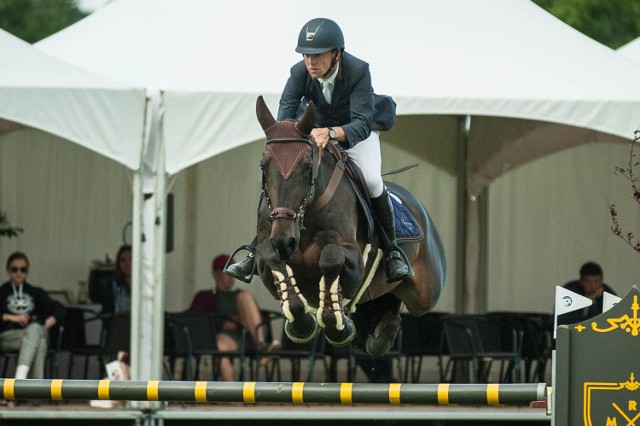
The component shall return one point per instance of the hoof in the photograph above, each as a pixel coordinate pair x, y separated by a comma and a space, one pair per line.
302, 337
384, 336
377, 347
345, 336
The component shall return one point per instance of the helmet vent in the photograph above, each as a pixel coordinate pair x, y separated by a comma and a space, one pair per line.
312, 34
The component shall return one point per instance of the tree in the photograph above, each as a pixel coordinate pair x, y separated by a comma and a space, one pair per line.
6, 230
33, 20
611, 22
631, 174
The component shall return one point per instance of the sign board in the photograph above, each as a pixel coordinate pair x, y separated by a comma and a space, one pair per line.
597, 375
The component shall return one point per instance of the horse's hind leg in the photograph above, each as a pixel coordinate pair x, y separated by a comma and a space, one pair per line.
341, 269
378, 323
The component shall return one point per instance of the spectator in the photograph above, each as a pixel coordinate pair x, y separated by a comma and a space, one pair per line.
239, 307
116, 298
591, 284
28, 313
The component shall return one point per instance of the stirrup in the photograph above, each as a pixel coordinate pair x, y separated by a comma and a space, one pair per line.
243, 278
397, 253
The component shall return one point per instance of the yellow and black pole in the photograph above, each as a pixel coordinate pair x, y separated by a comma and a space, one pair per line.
276, 392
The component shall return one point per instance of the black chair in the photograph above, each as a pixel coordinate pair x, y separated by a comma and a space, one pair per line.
54, 349
355, 357
270, 359
117, 336
177, 346
78, 343
473, 343
270, 321
201, 330
422, 337
537, 332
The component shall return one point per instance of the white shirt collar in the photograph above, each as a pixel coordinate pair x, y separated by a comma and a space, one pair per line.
332, 78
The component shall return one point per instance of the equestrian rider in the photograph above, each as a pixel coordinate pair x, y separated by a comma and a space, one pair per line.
339, 85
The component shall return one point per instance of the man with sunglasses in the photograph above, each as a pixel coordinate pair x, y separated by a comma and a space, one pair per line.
27, 314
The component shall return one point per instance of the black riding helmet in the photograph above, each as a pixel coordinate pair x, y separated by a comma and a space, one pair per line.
319, 35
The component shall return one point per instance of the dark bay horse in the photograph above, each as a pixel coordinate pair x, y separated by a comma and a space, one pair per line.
314, 250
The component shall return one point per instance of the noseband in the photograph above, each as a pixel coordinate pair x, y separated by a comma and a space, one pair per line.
287, 153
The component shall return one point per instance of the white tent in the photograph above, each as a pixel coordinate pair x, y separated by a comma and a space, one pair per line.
40, 91
499, 58
517, 72
631, 50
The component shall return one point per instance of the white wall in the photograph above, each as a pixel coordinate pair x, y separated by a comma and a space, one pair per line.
550, 216
71, 202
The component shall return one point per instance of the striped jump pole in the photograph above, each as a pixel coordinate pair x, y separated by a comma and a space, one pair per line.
276, 392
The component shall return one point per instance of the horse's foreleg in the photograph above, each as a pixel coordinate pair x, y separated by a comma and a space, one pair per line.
300, 324
341, 268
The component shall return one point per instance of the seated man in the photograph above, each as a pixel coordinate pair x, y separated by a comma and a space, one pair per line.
239, 306
591, 284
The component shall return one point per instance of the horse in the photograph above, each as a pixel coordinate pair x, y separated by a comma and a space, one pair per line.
317, 254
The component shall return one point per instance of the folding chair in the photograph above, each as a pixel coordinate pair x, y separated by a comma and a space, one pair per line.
422, 337
270, 360
202, 330
475, 341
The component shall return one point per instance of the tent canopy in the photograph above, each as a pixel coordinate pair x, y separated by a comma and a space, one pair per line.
44, 92
631, 49
500, 59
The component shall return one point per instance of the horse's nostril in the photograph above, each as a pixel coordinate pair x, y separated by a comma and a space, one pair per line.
284, 247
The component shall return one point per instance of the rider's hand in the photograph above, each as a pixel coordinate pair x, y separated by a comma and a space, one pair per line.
320, 136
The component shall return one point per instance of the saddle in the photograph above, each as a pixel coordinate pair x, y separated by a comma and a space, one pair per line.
407, 228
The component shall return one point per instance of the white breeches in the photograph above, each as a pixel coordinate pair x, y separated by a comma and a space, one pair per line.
366, 155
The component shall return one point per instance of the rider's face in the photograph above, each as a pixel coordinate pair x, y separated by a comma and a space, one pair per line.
318, 65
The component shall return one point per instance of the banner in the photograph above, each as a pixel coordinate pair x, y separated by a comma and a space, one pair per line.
568, 301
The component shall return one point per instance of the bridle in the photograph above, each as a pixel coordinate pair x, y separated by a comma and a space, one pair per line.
297, 215
294, 156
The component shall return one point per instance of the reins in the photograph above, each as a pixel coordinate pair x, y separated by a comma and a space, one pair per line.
334, 180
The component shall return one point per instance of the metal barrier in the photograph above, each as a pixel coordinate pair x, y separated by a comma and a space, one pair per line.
274, 392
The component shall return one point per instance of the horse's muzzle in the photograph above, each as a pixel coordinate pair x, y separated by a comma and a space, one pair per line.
285, 247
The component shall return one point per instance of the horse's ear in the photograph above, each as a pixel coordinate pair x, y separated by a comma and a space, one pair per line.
308, 120
265, 118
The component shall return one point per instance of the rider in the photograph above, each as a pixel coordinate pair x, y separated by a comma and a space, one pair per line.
348, 111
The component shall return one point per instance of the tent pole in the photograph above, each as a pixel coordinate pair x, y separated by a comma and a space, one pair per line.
137, 248
461, 293
157, 337
474, 251
136, 271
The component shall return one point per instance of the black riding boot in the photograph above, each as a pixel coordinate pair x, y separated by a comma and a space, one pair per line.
242, 270
396, 265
